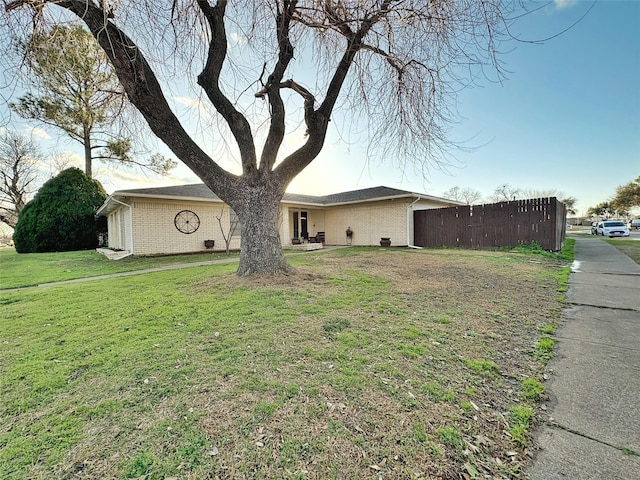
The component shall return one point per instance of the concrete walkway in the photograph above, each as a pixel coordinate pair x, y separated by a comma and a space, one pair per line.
162, 268
592, 428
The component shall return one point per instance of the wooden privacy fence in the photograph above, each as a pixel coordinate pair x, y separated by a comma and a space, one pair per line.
504, 224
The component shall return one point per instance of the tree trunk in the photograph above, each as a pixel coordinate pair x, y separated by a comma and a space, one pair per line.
261, 250
87, 153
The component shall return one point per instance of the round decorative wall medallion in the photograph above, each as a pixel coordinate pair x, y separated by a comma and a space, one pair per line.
186, 221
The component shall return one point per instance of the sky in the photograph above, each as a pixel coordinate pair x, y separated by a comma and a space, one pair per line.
566, 118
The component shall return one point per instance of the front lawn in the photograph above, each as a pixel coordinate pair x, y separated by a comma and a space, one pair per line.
378, 363
28, 269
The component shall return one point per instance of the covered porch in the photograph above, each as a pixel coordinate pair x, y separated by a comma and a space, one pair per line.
303, 226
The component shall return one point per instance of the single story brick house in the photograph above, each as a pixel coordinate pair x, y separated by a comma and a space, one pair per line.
179, 219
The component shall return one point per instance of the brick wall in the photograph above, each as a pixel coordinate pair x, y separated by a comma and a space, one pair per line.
155, 231
369, 222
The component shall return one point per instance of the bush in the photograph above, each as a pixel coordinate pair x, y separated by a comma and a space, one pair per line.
61, 216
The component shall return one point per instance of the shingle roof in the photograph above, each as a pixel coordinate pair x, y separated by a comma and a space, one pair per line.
195, 190
202, 192
367, 194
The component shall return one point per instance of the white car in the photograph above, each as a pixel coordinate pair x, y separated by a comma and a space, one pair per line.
612, 228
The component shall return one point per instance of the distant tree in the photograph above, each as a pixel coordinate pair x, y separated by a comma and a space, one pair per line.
471, 196
453, 194
622, 212
466, 195
19, 158
601, 210
570, 203
627, 196
58, 162
61, 215
505, 193
79, 93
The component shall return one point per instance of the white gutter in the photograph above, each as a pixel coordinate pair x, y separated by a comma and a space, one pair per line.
130, 224
409, 220
417, 196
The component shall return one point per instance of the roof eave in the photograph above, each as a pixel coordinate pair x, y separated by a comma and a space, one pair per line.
125, 193
121, 195
105, 206
417, 196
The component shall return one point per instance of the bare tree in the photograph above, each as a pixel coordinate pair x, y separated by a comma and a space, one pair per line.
540, 193
505, 193
395, 65
19, 158
471, 196
467, 195
233, 225
59, 162
569, 201
454, 193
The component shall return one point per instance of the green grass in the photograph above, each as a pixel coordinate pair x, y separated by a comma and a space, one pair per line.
568, 249
484, 367
548, 329
532, 389
445, 320
566, 253
544, 348
27, 269
195, 373
451, 436
520, 417
629, 451
631, 248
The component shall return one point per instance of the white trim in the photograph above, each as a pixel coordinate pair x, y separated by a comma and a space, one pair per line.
130, 224
394, 197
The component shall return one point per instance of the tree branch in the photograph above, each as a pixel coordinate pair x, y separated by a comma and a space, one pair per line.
272, 88
353, 46
142, 87
318, 120
209, 80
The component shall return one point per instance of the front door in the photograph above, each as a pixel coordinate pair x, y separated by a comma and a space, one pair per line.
300, 225
303, 225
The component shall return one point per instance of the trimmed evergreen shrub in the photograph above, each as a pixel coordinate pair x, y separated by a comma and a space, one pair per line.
61, 216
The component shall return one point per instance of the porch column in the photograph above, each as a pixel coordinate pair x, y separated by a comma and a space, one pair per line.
285, 231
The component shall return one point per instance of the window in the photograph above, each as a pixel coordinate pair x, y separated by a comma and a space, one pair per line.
234, 223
